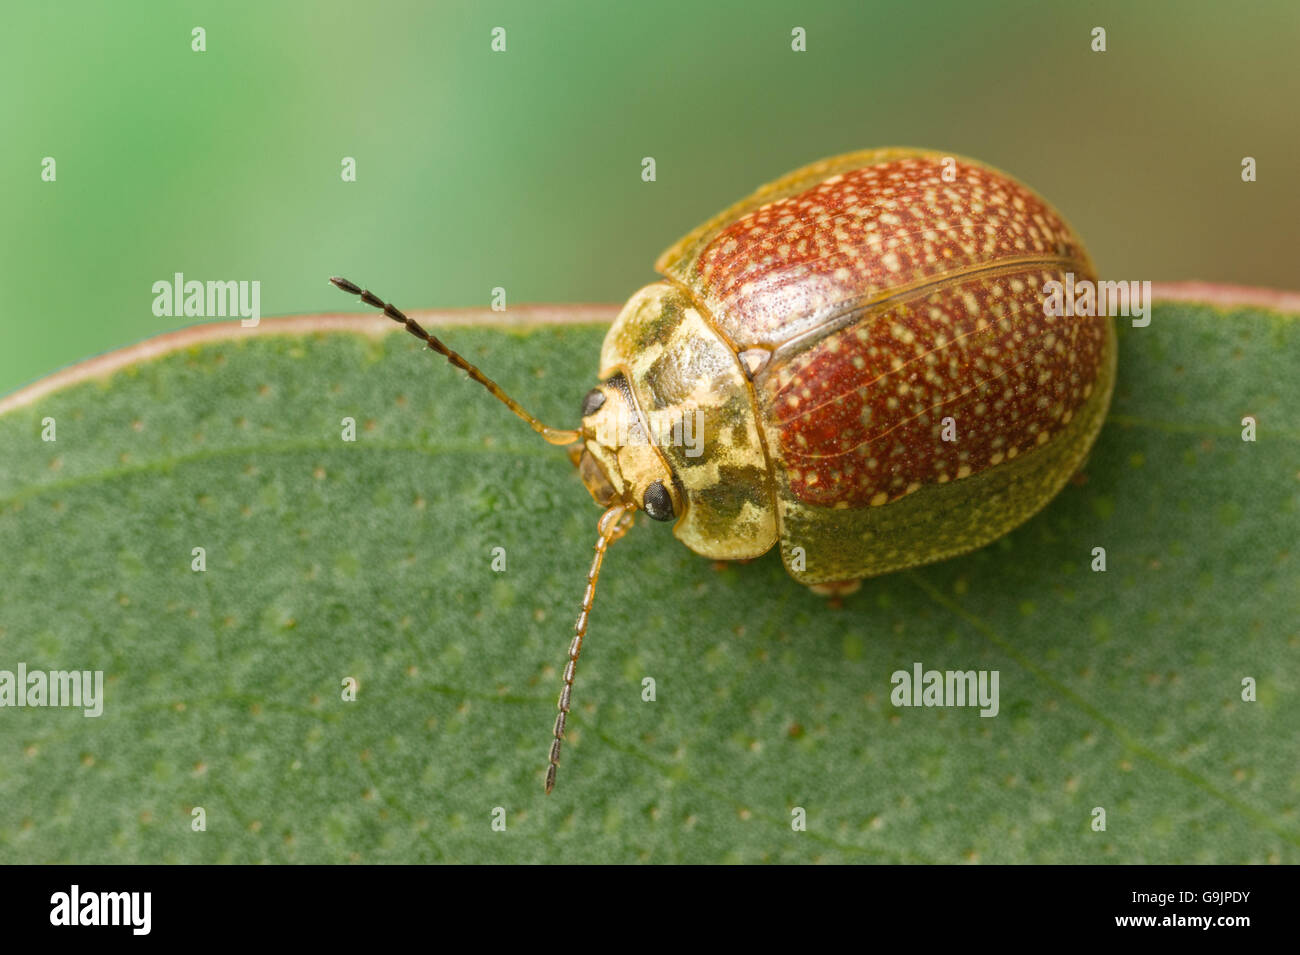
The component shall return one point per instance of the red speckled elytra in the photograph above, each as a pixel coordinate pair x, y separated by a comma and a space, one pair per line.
864, 348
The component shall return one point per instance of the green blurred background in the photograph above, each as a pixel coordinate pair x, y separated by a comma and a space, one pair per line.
522, 169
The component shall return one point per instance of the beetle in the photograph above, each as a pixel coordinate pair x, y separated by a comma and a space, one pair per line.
865, 348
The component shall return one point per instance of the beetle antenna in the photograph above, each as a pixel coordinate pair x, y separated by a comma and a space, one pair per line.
552, 435
613, 524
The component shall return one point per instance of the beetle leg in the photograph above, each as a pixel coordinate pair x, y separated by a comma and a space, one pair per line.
721, 565
836, 588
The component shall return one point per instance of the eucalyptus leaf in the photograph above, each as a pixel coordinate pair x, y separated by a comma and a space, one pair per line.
372, 559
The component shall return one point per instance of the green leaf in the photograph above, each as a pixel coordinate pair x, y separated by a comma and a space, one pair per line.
373, 560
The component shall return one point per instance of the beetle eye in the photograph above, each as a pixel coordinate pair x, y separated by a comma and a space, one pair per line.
591, 404
657, 502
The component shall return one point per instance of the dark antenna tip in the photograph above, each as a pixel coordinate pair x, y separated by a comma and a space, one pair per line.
549, 434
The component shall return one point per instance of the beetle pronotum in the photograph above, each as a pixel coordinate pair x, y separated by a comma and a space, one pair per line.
829, 333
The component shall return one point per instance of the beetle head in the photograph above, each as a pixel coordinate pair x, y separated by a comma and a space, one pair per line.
619, 462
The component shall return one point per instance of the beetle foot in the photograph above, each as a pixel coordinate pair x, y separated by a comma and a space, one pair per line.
721, 565
835, 589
